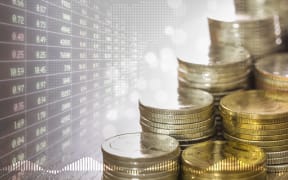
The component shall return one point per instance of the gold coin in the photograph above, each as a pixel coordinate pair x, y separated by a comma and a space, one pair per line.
176, 131
276, 161
157, 168
275, 149
220, 57
211, 74
174, 120
188, 142
140, 147
273, 67
177, 119
277, 168
175, 105
211, 77
273, 85
254, 137
252, 132
185, 134
262, 144
154, 165
277, 154
243, 83
223, 156
261, 127
254, 104
260, 84
208, 122
238, 119
188, 136
270, 81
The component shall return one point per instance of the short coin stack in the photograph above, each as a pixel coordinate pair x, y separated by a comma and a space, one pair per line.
187, 119
222, 160
260, 118
141, 156
260, 35
271, 73
219, 70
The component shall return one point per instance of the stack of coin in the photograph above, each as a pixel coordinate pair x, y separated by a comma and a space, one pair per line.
218, 69
222, 160
279, 7
141, 156
271, 73
187, 119
261, 118
259, 34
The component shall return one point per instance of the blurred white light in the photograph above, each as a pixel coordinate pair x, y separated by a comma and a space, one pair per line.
134, 96
131, 113
112, 114
155, 84
151, 59
161, 97
236, 25
174, 4
278, 41
168, 60
169, 31
109, 131
179, 37
141, 84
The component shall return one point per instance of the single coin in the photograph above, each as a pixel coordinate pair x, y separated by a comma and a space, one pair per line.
215, 88
253, 137
254, 104
216, 56
198, 116
198, 101
277, 154
253, 121
277, 168
252, 132
208, 122
262, 144
187, 136
140, 147
277, 161
177, 131
274, 66
262, 127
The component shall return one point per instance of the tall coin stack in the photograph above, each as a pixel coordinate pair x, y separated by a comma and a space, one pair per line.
222, 160
219, 70
188, 120
141, 156
271, 73
260, 35
279, 7
260, 118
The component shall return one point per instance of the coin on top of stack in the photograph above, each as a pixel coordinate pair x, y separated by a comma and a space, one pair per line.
261, 118
260, 34
188, 119
271, 73
222, 160
218, 69
141, 156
